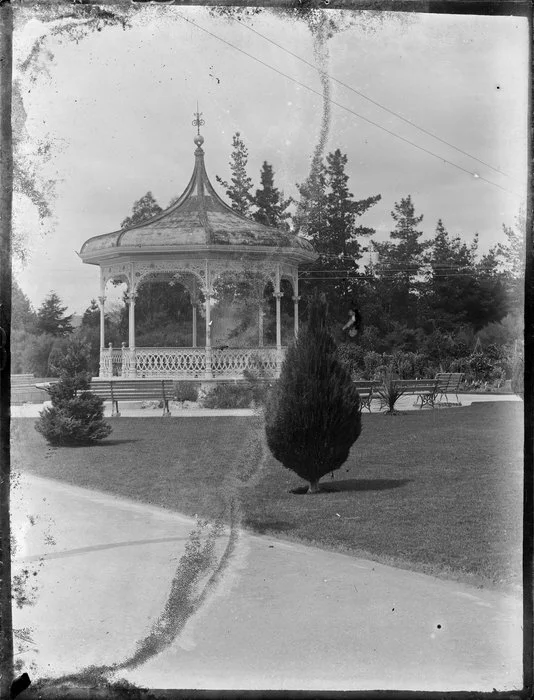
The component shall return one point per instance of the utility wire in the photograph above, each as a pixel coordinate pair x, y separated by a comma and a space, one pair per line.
360, 116
369, 99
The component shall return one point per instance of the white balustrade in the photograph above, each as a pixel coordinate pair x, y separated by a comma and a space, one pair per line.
189, 363
167, 362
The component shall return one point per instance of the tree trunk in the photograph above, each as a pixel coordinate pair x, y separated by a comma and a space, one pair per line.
314, 486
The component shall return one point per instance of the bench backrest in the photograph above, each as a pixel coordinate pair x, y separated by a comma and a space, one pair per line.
133, 388
449, 381
21, 379
416, 384
365, 386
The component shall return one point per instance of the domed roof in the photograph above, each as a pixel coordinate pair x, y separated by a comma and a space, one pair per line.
199, 220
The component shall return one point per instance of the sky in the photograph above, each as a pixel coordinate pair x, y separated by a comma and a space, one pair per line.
117, 107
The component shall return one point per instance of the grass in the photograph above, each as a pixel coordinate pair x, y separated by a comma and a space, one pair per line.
436, 491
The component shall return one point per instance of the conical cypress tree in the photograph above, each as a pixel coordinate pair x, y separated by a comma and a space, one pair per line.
76, 416
313, 416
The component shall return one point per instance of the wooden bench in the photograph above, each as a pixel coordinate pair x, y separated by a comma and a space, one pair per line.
367, 389
449, 383
116, 390
424, 389
22, 379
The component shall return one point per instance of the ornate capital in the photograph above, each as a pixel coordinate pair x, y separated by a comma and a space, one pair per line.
278, 295
101, 300
131, 297
296, 299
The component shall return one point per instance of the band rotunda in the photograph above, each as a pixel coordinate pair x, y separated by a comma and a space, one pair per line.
194, 242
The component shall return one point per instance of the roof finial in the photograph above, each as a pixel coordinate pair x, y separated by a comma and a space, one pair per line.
198, 122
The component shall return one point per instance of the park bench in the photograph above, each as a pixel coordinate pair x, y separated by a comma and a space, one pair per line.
449, 383
22, 379
367, 389
116, 390
424, 389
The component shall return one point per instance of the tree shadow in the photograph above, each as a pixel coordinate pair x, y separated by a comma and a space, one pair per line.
355, 485
112, 443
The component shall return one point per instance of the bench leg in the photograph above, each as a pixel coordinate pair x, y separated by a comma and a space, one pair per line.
115, 408
166, 411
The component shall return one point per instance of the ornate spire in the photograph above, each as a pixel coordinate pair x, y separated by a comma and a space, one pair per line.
198, 122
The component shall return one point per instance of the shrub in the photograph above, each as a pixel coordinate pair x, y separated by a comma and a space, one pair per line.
351, 356
313, 416
372, 361
259, 386
226, 395
389, 392
518, 380
76, 416
186, 391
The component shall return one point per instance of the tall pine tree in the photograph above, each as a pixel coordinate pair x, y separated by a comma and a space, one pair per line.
450, 281
51, 317
142, 210
400, 264
328, 215
270, 203
238, 191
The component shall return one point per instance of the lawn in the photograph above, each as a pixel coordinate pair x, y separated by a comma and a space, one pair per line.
437, 491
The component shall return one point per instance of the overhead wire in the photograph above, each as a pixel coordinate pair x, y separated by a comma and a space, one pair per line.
369, 99
341, 106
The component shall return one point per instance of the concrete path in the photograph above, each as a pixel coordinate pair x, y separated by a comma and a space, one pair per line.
280, 616
133, 408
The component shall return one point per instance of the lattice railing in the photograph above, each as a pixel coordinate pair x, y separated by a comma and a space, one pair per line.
170, 361
234, 361
189, 362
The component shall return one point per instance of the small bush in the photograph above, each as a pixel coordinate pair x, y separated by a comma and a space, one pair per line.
76, 416
518, 380
78, 421
229, 396
186, 391
351, 356
372, 361
259, 386
389, 392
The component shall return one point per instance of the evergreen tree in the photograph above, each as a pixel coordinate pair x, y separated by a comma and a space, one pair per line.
238, 191
76, 416
328, 215
270, 203
142, 210
512, 258
400, 264
91, 315
451, 280
23, 317
51, 317
313, 416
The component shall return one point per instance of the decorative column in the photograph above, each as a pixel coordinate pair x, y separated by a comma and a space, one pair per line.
131, 297
101, 301
260, 325
125, 360
207, 303
296, 300
278, 296
194, 307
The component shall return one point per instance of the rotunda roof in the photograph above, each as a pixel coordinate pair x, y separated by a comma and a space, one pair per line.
199, 220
